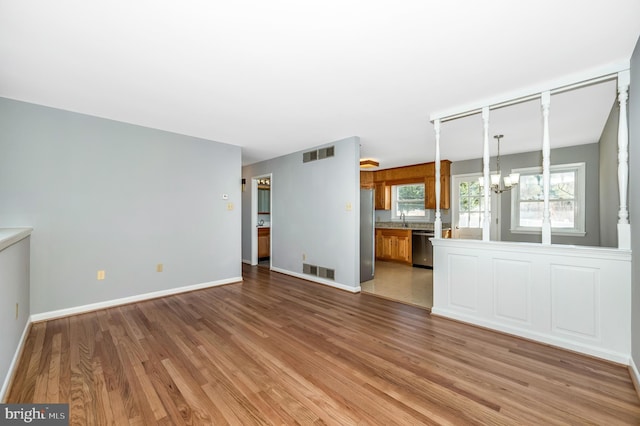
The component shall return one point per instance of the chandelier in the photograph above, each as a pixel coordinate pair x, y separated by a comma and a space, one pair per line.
509, 181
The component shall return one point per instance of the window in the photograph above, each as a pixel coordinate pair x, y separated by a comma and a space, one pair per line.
407, 199
566, 200
470, 204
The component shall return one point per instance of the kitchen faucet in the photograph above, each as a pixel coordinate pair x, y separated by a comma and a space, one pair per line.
404, 220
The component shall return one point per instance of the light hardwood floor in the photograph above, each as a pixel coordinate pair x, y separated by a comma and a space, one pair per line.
401, 282
278, 350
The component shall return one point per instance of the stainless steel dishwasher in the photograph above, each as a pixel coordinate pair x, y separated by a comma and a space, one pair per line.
421, 248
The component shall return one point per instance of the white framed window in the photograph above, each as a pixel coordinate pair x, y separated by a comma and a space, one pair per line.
467, 203
470, 204
566, 200
407, 199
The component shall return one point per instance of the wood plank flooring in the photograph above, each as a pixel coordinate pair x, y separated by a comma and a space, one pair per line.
279, 350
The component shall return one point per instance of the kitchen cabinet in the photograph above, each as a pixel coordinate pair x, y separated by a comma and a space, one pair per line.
264, 242
394, 245
418, 173
366, 180
383, 196
445, 187
430, 192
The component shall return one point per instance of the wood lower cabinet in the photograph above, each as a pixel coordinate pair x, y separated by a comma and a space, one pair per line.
264, 242
394, 245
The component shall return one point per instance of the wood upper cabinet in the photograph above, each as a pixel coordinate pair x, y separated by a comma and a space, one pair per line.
366, 180
445, 186
382, 180
382, 196
394, 245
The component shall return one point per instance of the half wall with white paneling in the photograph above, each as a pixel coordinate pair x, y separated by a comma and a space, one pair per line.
573, 297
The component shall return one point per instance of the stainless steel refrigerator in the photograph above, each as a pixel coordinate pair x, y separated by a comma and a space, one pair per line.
367, 237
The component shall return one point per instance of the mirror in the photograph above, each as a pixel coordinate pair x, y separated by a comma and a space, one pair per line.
264, 197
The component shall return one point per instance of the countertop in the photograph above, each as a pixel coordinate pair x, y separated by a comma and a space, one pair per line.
428, 226
10, 236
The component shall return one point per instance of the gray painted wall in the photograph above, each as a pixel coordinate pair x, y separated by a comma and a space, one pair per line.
609, 197
582, 153
634, 201
308, 211
14, 276
102, 194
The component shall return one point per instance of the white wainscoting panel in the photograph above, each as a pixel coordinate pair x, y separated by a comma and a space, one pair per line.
575, 302
463, 288
512, 289
574, 297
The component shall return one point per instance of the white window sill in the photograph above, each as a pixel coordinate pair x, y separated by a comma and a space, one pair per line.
554, 232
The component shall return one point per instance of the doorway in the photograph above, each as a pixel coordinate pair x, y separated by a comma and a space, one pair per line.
467, 199
261, 223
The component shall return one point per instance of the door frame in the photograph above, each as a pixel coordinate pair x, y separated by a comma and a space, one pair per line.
254, 218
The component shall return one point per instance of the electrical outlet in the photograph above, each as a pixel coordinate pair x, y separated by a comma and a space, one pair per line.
349, 207
229, 206
100, 275
304, 256
159, 267
16, 311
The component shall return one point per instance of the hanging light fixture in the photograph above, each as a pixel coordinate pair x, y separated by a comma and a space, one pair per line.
509, 181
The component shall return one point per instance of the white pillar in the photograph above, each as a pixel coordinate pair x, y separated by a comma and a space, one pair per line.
546, 166
624, 228
437, 226
486, 224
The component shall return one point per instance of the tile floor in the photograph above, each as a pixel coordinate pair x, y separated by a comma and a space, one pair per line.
402, 283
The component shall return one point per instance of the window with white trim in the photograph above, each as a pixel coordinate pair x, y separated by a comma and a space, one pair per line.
407, 199
470, 204
566, 200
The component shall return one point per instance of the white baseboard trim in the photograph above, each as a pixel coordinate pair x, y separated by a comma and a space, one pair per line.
126, 300
318, 280
14, 361
635, 375
548, 339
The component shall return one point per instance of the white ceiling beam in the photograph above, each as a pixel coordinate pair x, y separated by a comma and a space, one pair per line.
566, 83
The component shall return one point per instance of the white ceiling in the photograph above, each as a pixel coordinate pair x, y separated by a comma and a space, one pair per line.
280, 76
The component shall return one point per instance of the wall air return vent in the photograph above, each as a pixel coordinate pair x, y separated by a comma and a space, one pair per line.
326, 152
326, 273
309, 156
310, 269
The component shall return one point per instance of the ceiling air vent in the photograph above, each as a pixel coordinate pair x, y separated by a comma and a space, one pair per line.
309, 156
326, 152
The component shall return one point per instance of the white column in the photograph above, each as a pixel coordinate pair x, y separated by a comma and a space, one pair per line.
486, 224
437, 226
624, 228
546, 166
